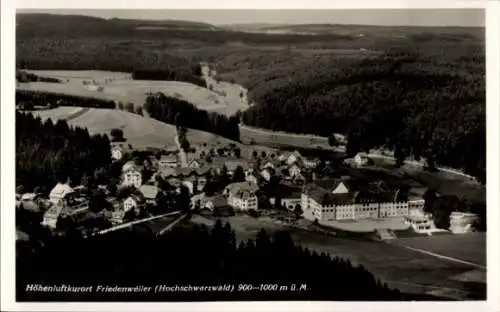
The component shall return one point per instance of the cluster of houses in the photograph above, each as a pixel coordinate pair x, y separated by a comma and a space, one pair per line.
345, 198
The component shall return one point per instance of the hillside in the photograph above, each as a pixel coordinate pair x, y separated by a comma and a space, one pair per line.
44, 24
139, 131
117, 86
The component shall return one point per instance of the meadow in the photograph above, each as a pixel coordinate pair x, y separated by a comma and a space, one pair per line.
118, 86
404, 269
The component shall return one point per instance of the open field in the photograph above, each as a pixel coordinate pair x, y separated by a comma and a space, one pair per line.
253, 135
404, 269
139, 131
120, 87
469, 247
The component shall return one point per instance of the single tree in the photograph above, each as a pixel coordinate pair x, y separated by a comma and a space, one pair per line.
239, 174
117, 135
430, 198
298, 211
332, 140
129, 107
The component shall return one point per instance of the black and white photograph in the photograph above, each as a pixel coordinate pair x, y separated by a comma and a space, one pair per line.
229, 155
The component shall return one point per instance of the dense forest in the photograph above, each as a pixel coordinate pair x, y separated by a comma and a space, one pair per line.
184, 114
29, 98
171, 74
48, 153
192, 255
408, 103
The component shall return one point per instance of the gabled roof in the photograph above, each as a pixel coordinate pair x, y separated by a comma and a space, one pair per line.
236, 188
217, 201
54, 211
60, 190
137, 197
149, 191
129, 166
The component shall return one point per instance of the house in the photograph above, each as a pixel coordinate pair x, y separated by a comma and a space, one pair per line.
167, 161
131, 175
351, 199
252, 178
268, 164
360, 160
293, 158
242, 196
194, 164
267, 174
149, 192
117, 216
51, 216
134, 201
116, 152
60, 192
213, 203
310, 163
420, 222
289, 197
294, 171
462, 222
29, 197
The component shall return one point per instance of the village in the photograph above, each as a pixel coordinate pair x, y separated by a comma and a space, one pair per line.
218, 182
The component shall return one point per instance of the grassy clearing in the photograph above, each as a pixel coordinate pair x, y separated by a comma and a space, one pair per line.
225, 98
469, 247
250, 135
407, 270
139, 131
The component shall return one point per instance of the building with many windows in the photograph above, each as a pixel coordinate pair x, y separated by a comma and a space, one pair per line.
242, 196
350, 199
131, 175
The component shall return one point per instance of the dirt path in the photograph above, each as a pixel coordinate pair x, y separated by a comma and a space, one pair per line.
432, 254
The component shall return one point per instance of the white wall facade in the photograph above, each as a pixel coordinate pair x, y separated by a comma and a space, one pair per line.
132, 178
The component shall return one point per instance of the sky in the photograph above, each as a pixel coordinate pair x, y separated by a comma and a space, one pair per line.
413, 17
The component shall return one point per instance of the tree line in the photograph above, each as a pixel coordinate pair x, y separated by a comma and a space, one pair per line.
27, 99
48, 153
196, 256
415, 106
171, 74
184, 114
23, 76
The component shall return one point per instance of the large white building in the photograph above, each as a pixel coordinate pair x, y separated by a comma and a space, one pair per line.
347, 199
242, 196
131, 175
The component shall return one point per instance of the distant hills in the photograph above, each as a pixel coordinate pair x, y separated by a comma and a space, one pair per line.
42, 24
